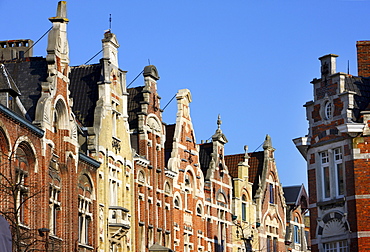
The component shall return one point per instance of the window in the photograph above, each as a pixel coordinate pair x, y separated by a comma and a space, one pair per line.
244, 208
54, 206
332, 172
296, 235
328, 110
84, 209
22, 167
339, 171
272, 200
268, 244
275, 245
339, 246
325, 173
177, 202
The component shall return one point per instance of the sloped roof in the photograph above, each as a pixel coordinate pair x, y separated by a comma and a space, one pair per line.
7, 83
205, 151
291, 194
28, 73
84, 91
134, 107
296, 195
255, 161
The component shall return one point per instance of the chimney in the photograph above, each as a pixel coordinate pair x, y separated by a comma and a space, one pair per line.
363, 58
328, 65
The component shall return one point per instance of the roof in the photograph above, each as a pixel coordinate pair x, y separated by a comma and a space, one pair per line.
291, 194
361, 86
27, 74
7, 83
205, 151
84, 91
296, 195
134, 106
255, 161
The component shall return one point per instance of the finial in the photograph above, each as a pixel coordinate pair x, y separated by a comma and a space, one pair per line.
267, 143
246, 156
219, 122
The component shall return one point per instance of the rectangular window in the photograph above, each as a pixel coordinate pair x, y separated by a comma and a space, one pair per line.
297, 235
325, 174
268, 244
338, 161
339, 246
244, 211
274, 245
272, 200
54, 206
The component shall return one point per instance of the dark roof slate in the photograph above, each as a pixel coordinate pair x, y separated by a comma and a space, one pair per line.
361, 86
134, 106
291, 194
84, 91
28, 74
205, 152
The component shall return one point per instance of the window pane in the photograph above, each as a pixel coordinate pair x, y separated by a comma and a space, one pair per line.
326, 182
340, 179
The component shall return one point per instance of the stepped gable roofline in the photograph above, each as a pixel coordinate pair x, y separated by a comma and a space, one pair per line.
151, 71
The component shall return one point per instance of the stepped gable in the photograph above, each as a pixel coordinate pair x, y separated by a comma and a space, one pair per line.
28, 73
84, 91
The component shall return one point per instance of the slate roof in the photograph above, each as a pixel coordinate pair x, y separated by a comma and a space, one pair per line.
7, 83
256, 161
84, 91
168, 145
28, 73
291, 194
134, 107
361, 86
205, 151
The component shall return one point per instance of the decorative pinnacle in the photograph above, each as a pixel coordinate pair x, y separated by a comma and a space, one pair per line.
219, 122
246, 156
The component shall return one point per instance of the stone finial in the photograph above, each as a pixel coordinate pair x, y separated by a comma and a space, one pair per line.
246, 156
267, 143
61, 13
219, 136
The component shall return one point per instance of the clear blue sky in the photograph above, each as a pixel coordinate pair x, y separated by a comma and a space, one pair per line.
250, 61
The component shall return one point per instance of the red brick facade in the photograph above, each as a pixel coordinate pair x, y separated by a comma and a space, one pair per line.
336, 150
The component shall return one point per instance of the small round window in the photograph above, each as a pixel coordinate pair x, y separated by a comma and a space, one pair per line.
328, 110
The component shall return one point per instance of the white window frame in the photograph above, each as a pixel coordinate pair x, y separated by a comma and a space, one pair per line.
336, 246
325, 168
54, 206
339, 171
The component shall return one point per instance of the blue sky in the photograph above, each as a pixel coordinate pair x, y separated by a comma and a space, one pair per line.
250, 61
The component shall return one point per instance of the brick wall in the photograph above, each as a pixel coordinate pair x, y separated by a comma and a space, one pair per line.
363, 58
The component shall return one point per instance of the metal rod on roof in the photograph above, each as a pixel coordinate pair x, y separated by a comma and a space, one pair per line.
93, 56
135, 78
37, 40
169, 102
258, 147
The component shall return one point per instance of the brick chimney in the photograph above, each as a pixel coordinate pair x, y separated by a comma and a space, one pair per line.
363, 58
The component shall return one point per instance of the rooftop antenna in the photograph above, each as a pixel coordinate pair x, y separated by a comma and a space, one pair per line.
348, 67
149, 61
110, 21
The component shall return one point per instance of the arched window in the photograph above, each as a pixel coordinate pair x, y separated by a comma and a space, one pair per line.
244, 208
199, 210
24, 159
84, 209
176, 202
